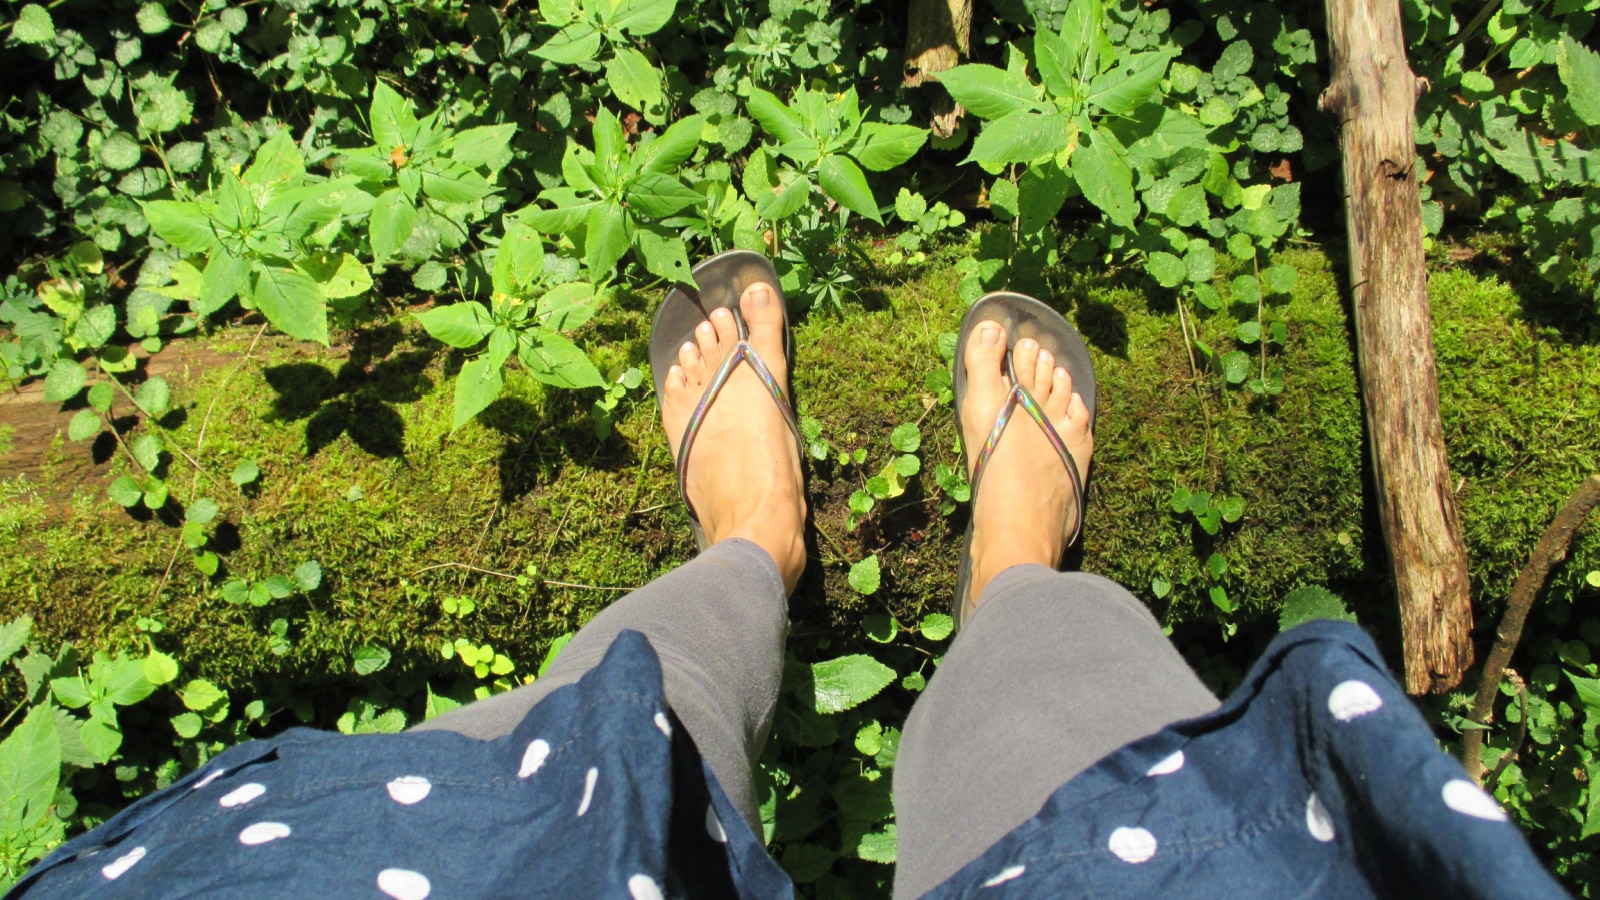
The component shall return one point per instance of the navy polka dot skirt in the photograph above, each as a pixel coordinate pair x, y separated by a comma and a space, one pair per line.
1317, 778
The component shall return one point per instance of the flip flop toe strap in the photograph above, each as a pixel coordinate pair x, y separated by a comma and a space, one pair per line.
742, 352
1019, 397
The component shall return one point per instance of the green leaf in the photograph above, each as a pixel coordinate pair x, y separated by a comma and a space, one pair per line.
1124, 89
633, 80
882, 147
125, 492
390, 117
881, 628
1106, 180
1161, 586
658, 196
459, 325
153, 18
574, 43
555, 360
224, 277
181, 224
34, 25
13, 635
775, 118
1054, 63
1280, 279
1005, 199
1022, 137
847, 682
879, 846
1042, 192
1308, 603
202, 696
293, 304
486, 146
906, 438
120, 151
477, 385
30, 771
1082, 30
84, 425
1236, 366
865, 576
154, 396
672, 147
1580, 72
567, 306
308, 576
937, 626
187, 725
65, 380
393, 219
159, 668
1168, 270
202, 511
459, 186
1219, 598
607, 239
100, 397
844, 181
988, 92
642, 17
246, 472
370, 658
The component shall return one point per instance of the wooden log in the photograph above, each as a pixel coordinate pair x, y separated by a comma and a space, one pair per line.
1372, 97
938, 34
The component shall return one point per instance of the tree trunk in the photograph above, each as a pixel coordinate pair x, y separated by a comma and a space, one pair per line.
938, 34
1372, 97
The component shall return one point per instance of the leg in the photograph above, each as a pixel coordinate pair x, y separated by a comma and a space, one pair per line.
730, 598
718, 623
1052, 672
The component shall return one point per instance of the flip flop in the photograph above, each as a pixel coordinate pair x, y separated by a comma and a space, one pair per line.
722, 280
1021, 317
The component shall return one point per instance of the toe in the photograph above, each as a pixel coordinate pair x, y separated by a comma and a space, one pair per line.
676, 383
1078, 420
1043, 376
1025, 362
727, 328
763, 315
693, 364
1060, 395
986, 382
705, 335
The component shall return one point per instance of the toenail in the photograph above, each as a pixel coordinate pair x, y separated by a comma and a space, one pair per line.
1027, 344
704, 328
761, 297
719, 313
688, 347
1046, 358
989, 334
1060, 372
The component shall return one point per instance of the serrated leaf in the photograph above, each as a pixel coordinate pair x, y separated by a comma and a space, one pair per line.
880, 147
65, 380
477, 385
34, 25
1307, 603
1022, 137
202, 696
1579, 68
555, 360
633, 79
988, 92
154, 396
1106, 180
847, 682
369, 658
937, 626
844, 181
125, 492
774, 117
393, 219
159, 668
246, 472
293, 304
865, 576
1124, 89
308, 576
84, 425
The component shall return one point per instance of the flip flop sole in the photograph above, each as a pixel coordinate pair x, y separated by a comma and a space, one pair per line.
722, 280
1022, 317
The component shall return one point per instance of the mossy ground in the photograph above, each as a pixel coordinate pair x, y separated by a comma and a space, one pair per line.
362, 472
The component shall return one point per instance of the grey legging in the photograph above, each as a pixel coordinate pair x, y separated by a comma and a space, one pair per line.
1051, 673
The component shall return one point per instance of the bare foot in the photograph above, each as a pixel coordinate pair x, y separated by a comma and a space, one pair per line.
744, 470
1027, 507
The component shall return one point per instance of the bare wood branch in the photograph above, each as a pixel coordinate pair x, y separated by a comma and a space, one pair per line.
1551, 549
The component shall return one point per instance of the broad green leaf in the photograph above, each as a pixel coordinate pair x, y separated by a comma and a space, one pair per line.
124, 682
1041, 192
292, 302
390, 117
865, 576
658, 196
555, 360
1166, 269
152, 18
633, 80
202, 511
1082, 30
1125, 88
156, 493
988, 92
568, 214
393, 218
1056, 67
642, 17
187, 725
308, 576
776, 119
1188, 206
181, 224
224, 277
574, 43
1106, 180
1580, 72
881, 147
844, 181
610, 143
486, 146
278, 161
1005, 199
338, 275
34, 25
606, 239
672, 147
1308, 603
101, 738
567, 306
30, 770
370, 658
785, 202
246, 472
84, 425
460, 325
477, 385
460, 186
847, 682
201, 695
909, 207
125, 492
1235, 366
664, 254
96, 326
1022, 137
936, 626
879, 846
65, 380
13, 635
154, 396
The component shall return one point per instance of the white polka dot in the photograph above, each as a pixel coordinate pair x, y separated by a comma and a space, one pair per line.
1167, 766
409, 789
588, 790
714, 826
1006, 874
1133, 845
643, 887
1468, 799
123, 863
404, 884
242, 794
262, 832
207, 780
1353, 699
533, 757
663, 724
1318, 822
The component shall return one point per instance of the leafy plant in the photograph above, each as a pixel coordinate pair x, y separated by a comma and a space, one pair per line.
585, 26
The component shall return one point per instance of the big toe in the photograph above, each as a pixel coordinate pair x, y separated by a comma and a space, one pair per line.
763, 315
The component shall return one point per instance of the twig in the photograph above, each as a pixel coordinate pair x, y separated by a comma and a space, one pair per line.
508, 577
1551, 549
1522, 730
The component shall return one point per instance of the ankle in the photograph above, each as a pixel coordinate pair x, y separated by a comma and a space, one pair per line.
987, 565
